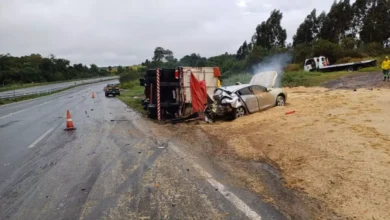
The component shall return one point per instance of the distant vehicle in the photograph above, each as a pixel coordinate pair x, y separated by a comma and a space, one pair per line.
112, 89
239, 100
322, 64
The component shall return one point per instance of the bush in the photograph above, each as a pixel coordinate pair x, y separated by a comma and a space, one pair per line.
129, 85
353, 53
373, 49
328, 49
292, 67
293, 79
131, 76
242, 78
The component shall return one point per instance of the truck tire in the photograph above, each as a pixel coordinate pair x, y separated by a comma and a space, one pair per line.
152, 112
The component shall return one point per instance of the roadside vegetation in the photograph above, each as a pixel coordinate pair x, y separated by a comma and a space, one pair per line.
347, 33
33, 70
132, 95
28, 97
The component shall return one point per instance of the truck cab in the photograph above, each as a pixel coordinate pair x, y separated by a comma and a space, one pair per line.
315, 63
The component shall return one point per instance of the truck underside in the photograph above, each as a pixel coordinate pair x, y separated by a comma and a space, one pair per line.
348, 66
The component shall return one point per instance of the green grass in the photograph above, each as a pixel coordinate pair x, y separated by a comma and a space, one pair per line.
28, 85
132, 97
301, 78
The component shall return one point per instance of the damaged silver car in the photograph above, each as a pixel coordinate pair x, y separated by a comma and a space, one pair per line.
237, 100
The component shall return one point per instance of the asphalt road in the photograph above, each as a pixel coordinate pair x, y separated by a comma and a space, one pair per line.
111, 167
49, 87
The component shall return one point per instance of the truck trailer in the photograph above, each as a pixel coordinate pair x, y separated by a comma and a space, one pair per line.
169, 93
321, 64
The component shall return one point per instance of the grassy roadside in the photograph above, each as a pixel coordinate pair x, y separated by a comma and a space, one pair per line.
301, 78
132, 97
23, 98
28, 85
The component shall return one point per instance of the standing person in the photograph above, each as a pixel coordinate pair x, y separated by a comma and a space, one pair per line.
219, 83
386, 68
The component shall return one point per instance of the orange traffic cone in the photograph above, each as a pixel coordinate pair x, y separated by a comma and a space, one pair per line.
93, 95
69, 122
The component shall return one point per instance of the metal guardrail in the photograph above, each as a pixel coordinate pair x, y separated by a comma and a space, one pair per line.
20, 92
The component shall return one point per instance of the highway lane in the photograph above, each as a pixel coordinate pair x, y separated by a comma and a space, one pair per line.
45, 88
113, 166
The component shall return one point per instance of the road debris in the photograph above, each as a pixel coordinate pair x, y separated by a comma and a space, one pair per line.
290, 112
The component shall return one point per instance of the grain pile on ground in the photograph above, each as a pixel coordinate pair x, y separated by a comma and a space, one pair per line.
335, 148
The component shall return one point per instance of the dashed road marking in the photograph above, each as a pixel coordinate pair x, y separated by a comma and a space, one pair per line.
40, 138
13, 113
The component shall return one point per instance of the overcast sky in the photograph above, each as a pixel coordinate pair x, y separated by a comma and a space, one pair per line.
125, 32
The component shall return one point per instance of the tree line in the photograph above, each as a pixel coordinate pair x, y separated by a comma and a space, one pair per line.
35, 68
357, 30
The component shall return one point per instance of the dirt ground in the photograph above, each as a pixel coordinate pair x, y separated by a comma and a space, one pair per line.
331, 157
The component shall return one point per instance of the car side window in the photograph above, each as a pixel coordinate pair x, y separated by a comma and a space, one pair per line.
258, 89
244, 91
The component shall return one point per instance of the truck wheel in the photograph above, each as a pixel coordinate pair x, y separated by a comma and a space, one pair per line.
350, 69
106, 94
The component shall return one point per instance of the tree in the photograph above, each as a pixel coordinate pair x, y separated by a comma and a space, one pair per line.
119, 70
109, 69
256, 56
94, 69
376, 23
307, 31
337, 22
193, 60
159, 54
270, 33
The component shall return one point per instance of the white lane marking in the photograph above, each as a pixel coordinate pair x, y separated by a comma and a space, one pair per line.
23, 110
231, 197
40, 138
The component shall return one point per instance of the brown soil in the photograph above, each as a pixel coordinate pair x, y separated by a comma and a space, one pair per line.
335, 148
332, 154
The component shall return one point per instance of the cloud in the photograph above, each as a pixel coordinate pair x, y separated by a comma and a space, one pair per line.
127, 31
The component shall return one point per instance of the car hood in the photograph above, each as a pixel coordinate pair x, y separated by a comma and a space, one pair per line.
266, 79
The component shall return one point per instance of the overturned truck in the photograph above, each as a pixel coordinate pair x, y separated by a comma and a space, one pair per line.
179, 92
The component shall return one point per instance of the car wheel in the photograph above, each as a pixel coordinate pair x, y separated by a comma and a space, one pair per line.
238, 112
280, 101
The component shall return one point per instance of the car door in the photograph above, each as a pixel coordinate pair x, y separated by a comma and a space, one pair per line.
249, 98
264, 98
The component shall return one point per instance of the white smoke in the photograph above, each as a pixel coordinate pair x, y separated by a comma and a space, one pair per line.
275, 63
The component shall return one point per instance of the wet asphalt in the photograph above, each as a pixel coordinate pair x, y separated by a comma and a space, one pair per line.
111, 167
45, 88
